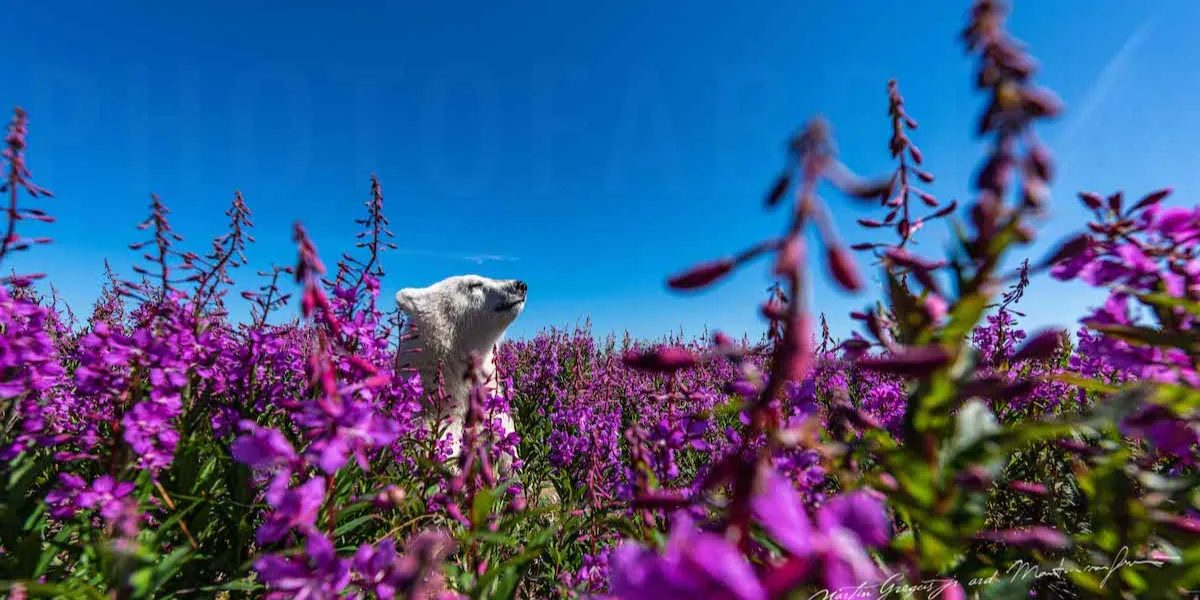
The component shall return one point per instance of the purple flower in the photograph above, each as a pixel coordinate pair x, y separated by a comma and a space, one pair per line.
1165, 431
148, 431
105, 494
63, 500
696, 564
781, 512
262, 447
376, 565
1178, 224
293, 508
860, 512
844, 525
317, 574
124, 516
352, 428
1038, 536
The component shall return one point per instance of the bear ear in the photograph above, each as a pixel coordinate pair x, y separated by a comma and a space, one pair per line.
406, 299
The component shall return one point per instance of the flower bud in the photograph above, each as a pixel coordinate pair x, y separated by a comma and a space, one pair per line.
1041, 346
909, 362
779, 189
1037, 537
1069, 249
663, 360
915, 153
843, 269
935, 307
790, 257
702, 275
1091, 200
1115, 201
1027, 487
1152, 198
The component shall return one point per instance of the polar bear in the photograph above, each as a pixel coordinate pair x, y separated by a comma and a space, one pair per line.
453, 318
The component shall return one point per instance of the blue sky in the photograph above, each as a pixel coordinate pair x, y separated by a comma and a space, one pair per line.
590, 151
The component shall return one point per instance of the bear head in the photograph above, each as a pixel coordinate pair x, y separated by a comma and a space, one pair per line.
463, 314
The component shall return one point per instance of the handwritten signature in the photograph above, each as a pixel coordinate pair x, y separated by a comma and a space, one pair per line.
1018, 571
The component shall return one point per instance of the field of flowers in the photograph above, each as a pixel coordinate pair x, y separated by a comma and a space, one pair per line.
155, 448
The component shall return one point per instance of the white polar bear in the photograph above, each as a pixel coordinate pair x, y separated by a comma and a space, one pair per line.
453, 318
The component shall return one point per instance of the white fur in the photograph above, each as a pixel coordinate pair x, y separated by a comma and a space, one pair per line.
454, 317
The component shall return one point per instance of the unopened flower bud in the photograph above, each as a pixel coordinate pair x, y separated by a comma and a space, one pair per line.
661, 360
701, 275
843, 269
1041, 346
909, 362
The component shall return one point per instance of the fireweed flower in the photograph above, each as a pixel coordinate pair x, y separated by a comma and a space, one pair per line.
413, 574
1164, 431
844, 527
696, 564
860, 512
112, 501
64, 500
128, 368
593, 574
1145, 249
377, 566
351, 428
28, 360
148, 431
294, 508
103, 493
262, 448
317, 574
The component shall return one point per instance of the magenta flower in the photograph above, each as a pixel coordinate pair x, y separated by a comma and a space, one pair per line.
1165, 431
317, 574
696, 565
377, 566
845, 524
63, 500
148, 431
105, 494
351, 428
262, 447
781, 512
860, 512
294, 508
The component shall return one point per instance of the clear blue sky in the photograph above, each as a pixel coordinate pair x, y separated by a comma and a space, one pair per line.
596, 150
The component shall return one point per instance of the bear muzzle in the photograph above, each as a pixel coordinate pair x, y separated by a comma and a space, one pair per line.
519, 291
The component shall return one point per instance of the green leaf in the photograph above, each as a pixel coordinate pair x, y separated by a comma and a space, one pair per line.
1183, 400
506, 587
353, 524
173, 563
963, 318
510, 564
140, 581
1086, 383
481, 507
905, 307
926, 407
1007, 588
54, 590
1117, 406
1169, 301
1146, 336
494, 538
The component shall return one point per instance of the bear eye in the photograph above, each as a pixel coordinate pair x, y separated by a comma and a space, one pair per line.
474, 285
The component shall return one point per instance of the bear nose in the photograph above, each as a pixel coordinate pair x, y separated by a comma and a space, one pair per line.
521, 286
